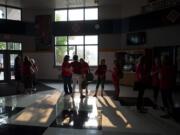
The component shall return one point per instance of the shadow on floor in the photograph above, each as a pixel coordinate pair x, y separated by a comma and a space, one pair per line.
8, 89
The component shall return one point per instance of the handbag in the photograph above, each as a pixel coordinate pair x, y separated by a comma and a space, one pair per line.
90, 76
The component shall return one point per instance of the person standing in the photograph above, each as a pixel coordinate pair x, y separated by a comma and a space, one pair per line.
155, 80
67, 75
35, 70
167, 77
76, 74
27, 72
117, 74
142, 79
101, 76
18, 72
84, 70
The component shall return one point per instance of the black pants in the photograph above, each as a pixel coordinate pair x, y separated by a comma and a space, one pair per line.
141, 89
167, 100
155, 93
67, 85
100, 81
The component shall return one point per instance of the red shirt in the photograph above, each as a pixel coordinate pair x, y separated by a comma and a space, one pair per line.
115, 74
66, 69
167, 77
84, 68
26, 70
76, 67
155, 75
141, 73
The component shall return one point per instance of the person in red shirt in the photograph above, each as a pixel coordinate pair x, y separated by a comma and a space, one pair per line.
101, 76
155, 80
84, 71
167, 77
77, 74
116, 73
27, 72
67, 75
142, 79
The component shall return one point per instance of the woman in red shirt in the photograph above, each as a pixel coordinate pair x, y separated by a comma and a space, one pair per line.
67, 75
116, 73
27, 72
155, 80
167, 82
101, 74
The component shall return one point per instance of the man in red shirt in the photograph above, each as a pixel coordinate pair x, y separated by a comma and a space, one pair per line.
77, 74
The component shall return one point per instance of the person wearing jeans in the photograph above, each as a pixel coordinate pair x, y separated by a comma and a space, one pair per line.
67, 75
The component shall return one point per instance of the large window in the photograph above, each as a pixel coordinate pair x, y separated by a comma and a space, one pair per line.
15, 46
77, 14
85, 46
10, 13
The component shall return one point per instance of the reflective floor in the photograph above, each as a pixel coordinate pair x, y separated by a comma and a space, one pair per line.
51, 113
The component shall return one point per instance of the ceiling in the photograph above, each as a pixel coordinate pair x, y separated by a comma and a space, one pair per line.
42, 4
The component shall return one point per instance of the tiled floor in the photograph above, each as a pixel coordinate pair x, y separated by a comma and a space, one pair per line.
52, 113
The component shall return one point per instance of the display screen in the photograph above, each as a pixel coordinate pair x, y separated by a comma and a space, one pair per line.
136, 38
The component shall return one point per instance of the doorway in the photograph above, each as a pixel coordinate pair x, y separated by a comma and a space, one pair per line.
7, 58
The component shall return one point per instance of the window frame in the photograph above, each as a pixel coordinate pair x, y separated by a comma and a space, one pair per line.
77, 35
75, 45
7, 47
7, 6
76, 8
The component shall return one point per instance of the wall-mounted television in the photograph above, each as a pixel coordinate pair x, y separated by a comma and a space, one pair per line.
136, 38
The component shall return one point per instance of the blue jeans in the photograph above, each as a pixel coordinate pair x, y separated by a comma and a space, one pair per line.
67, 84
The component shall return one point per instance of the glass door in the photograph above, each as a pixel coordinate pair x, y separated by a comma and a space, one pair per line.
1, 67
11, 62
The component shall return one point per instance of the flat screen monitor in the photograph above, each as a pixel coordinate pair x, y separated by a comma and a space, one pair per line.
136, 38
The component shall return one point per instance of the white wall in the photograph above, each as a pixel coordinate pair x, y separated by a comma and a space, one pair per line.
45, 63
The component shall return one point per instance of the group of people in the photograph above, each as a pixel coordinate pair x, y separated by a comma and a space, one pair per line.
77, 71
25, 71
162, 77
